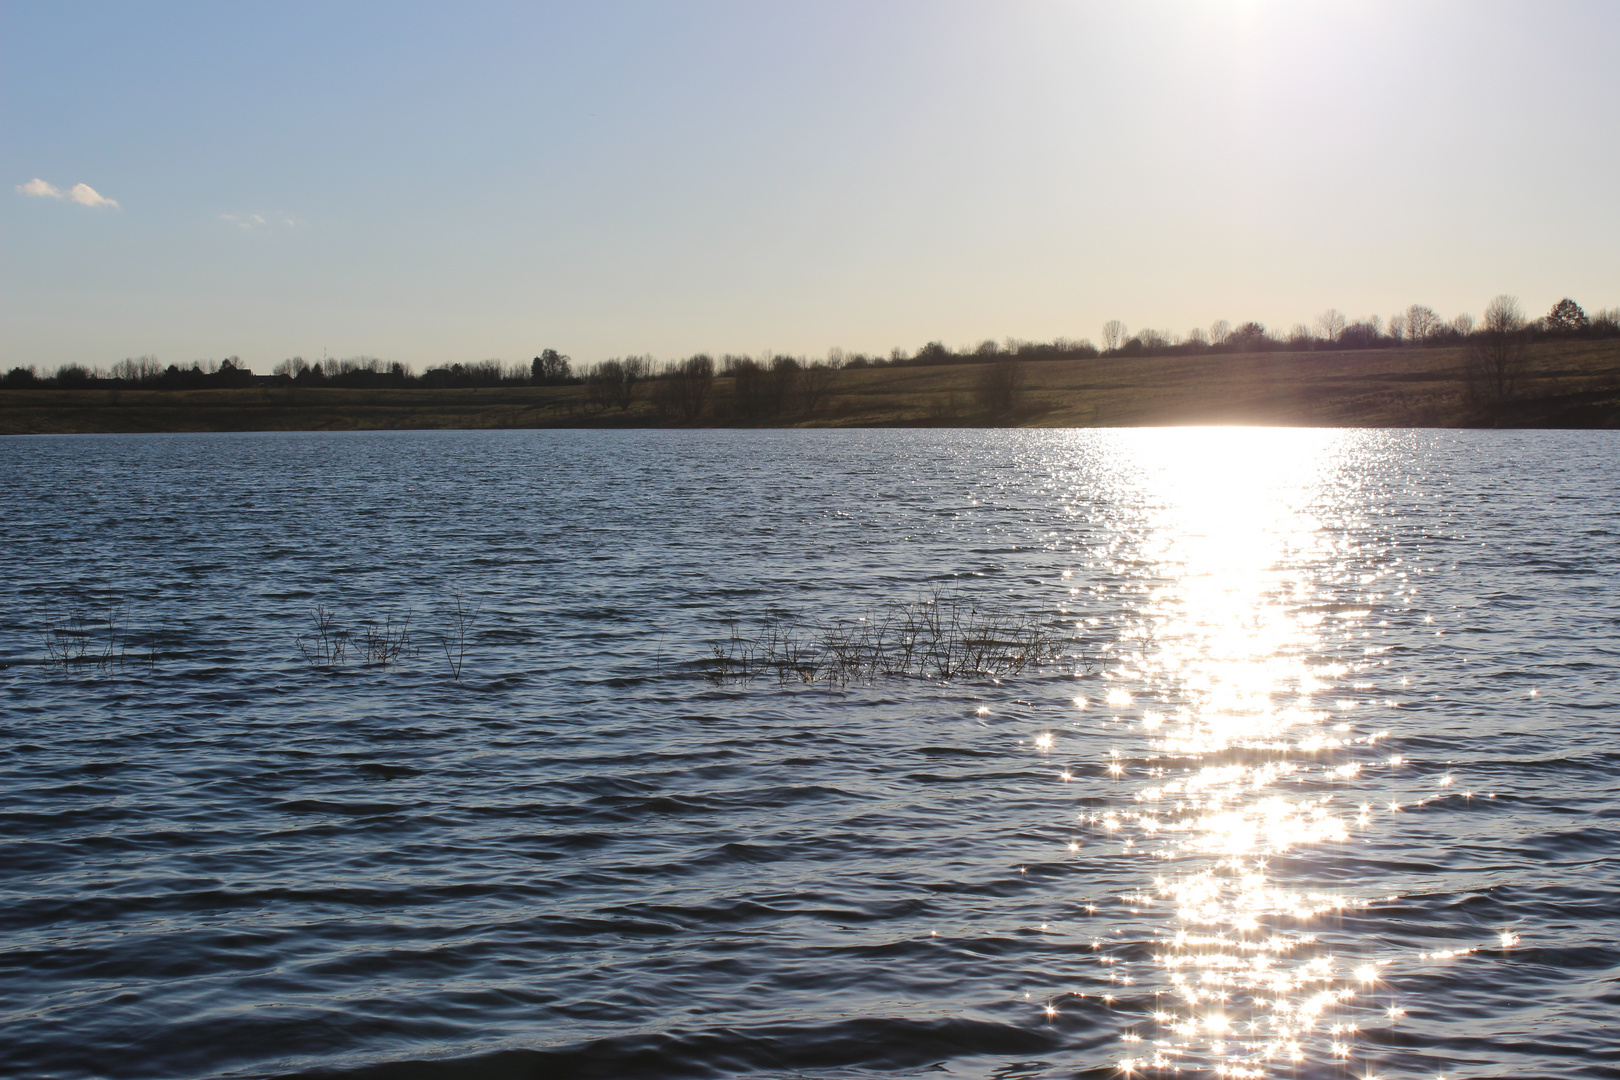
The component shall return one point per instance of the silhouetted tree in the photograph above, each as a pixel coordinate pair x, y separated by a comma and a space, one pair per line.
999, 385
1397, 327
1219, 331
815, 382
1362, 334
1421, 322
137, 370
781, 384
747, 387
1248, 337
232, 372
614, 382
1113, 335
21, 376
1463, 324
686, 386
1330, 324
373, 372
1566, 317
550, 368
1495, 358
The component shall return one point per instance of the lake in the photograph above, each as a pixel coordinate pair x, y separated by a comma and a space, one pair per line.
1317, 779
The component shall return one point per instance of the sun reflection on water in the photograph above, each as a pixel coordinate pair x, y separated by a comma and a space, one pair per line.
1235, 697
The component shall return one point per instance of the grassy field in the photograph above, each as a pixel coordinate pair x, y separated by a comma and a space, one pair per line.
1568, 384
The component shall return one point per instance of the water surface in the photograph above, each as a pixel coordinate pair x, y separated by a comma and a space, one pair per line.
1323, 787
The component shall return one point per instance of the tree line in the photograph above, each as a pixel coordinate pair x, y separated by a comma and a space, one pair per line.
772, 386
1418, 325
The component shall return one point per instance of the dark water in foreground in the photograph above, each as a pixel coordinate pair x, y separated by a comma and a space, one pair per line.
1327, 788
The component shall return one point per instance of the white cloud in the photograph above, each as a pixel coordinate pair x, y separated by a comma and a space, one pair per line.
40, 189
83, 194
86, 195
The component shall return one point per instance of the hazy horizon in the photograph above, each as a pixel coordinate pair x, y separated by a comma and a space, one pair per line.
437, 185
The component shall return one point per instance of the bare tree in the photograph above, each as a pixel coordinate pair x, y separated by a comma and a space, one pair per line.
815, 380
747, 386
1113, 335
1503, 315
1219, 331
685, 387
142, 369
600, 381
614, 382
1463, 324
637, 369
1330, 324
1197, 338
1495, 359
1421, 322
1000, 385
782, 383
1397, 326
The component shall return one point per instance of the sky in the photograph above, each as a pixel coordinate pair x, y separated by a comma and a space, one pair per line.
457, 182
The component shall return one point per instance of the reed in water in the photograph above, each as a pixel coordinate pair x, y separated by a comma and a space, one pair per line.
943, 636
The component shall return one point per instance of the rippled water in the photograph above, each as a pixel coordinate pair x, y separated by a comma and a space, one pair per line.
1324, 788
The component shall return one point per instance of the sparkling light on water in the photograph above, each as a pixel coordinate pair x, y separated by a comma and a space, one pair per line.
1235, 699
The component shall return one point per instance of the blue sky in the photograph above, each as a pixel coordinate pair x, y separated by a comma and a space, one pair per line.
461, 182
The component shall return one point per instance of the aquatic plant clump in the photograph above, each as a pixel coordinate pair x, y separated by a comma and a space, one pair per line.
378, 644
79, 641
386, 641
941, 637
